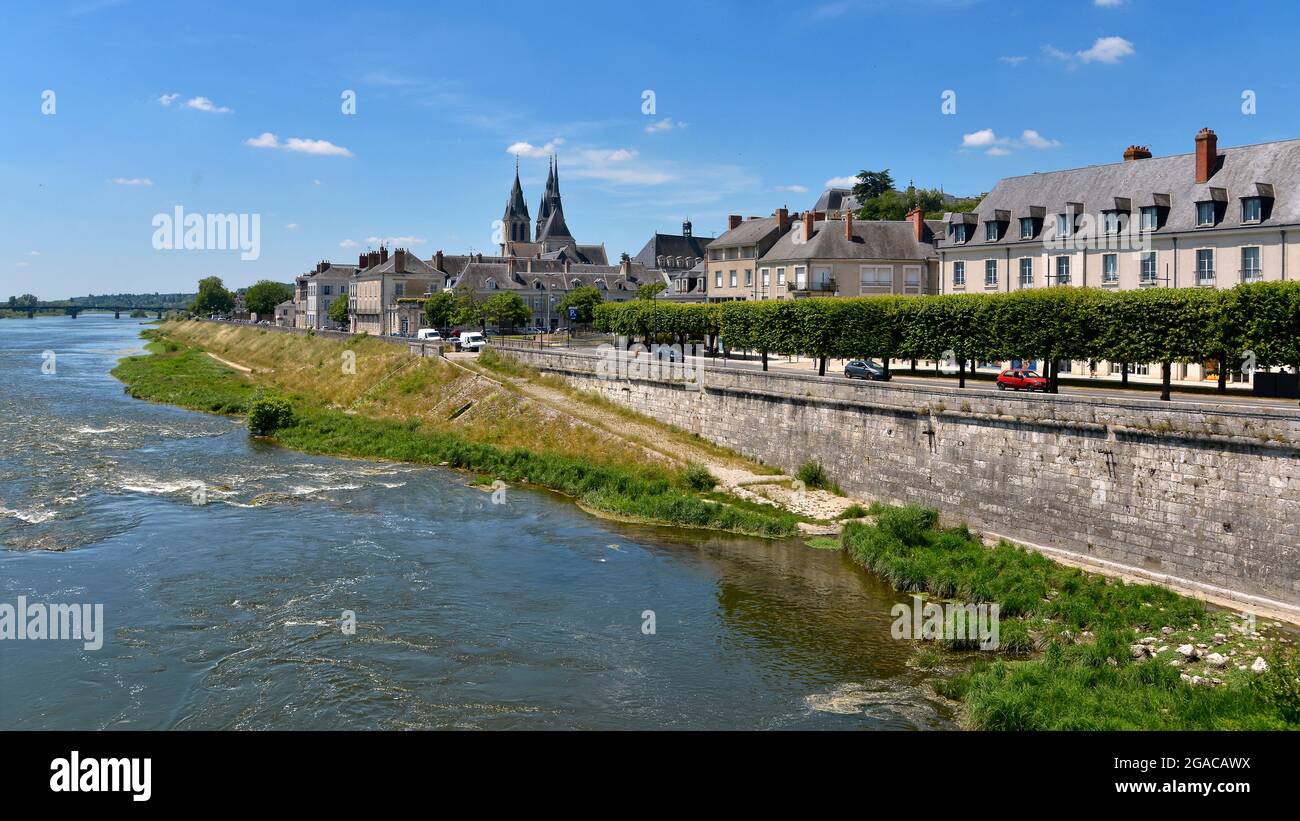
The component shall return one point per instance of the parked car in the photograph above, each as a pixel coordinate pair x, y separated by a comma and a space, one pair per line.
865, 369
428, 335
1021, 379
471, 341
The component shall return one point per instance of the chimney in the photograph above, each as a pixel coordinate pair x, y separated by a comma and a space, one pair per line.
625, 267
808, 222
819, 215
848, 225
733, 221
1207, 154
782, 221
399, 261
383, 253
1137, 152
361, 260
917, 217
686, 228
437, 260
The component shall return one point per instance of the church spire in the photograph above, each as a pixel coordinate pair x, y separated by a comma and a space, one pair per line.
551, 192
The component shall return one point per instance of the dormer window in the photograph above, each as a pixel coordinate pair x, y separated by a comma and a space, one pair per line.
1063, 225
1205, 213
959, 232
1150, 218
1252, 209
991, 231
1110, 221
1027, 228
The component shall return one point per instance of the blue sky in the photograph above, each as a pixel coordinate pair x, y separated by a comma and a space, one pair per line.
757, 105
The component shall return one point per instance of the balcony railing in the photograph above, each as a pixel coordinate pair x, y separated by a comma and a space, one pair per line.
1205, 277
1251, 274
818, 285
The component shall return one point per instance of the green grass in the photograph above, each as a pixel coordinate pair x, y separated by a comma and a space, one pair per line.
1080, 626
185, 376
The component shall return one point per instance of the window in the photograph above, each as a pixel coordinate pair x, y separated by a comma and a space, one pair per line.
1110, 220
1026, 227
1149, 268
749, 276
1205, 266
325, 289
1063, 225
1062, 270
990, 273
959, 232
780, 276
1250, 271
1027, 272
718, 283
746, 253
959, 274
1252, 209
1205, 213
715, 255
399, 289
911, 280
731, 253
1150, 218
1110, 268
766, 274
874, 276
731, 278
991, 231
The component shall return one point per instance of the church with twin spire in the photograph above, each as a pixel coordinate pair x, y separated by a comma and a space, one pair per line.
548, 238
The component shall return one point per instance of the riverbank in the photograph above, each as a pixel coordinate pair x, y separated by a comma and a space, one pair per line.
370, 399
1078, 651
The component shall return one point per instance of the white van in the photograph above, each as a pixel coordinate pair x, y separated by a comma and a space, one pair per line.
472, 341
428, 335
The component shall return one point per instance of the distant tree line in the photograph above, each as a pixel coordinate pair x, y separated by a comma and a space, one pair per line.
879, 200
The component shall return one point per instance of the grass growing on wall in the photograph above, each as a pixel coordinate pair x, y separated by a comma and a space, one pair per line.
1065, 661
179, 374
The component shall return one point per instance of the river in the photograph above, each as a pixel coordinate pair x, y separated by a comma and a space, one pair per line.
226, 611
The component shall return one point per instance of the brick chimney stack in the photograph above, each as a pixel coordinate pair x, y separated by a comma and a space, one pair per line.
809, 224
733, 221
782, 221
917, 217
1137, 152
1207, 154
383, 253
361, 260
437, 260
399, 261
848, 225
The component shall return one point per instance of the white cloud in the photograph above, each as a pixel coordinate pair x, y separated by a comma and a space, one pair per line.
1108, 3
1033, 139
168, 99
842, 182
793, 189
396, 240
204, 104
1104, 50
320, 147
292, 226
315, 182
616, 165
526, 149
347, 243
1013, 60
996, 146
666, 124
132, 181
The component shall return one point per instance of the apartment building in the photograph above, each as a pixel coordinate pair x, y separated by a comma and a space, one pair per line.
1210, 218
681, 257
733, 257
316, 290
542, 284
850, 257
374, 290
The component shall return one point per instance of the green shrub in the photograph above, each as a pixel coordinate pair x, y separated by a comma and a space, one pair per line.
268, 414
853, 511
1279, 686
813, 475
697, 477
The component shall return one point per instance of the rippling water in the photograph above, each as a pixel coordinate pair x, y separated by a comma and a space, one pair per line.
469, 614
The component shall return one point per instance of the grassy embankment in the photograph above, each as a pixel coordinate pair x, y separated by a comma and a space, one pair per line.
427, 411
1066, 646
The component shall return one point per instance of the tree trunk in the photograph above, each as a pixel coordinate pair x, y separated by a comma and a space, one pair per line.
913, 366
821, 365
961, 372
764, 360
885, 365
1054, 377
1123, 378
1166, 373
1223, 373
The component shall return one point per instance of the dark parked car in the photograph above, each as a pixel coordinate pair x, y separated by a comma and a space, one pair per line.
1021, 379
865, 369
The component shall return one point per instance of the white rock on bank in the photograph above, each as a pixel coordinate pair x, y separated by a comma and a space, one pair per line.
1260, 665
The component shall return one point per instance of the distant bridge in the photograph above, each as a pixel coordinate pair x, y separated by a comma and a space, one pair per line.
73, 310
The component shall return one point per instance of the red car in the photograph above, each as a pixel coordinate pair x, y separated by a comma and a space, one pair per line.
1021, 379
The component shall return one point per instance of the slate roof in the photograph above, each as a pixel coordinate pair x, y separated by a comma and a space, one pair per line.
516, 208
749, 232
476, 274
1241, 172
672, 246
836, 199
872, 239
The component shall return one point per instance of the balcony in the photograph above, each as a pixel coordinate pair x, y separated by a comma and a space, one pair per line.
1205, 278
1252, 274
822, 286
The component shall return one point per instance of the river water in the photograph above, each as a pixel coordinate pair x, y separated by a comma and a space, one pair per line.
528, 614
